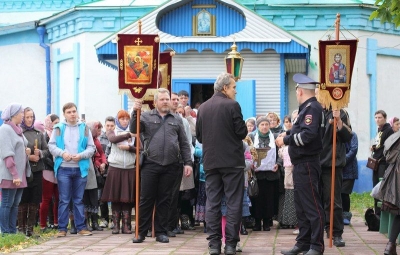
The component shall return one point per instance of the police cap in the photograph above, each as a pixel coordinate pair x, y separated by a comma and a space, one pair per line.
303, 81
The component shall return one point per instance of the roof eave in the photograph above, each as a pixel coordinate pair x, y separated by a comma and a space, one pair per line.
16, 28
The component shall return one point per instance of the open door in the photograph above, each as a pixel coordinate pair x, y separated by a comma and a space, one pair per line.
246, 97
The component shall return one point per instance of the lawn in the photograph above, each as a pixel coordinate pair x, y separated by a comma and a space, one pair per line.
360, 202
11, 243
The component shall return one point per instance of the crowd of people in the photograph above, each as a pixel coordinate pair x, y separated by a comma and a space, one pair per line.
64, 172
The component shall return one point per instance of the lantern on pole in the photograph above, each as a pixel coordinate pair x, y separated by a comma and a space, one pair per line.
234, 62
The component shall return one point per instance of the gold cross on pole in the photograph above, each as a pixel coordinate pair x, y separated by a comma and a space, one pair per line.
138, 41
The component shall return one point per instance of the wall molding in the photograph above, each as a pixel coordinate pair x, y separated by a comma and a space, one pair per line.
42, 5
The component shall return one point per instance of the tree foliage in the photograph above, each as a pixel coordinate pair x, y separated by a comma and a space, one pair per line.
388, 11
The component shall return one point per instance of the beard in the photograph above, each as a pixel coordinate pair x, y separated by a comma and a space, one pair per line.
163, 109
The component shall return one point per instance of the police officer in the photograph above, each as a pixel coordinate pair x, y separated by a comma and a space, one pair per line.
305, 145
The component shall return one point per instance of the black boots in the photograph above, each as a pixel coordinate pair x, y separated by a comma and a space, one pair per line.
72, 230
257, 226
87, 219
116, 217
31, 219
22, 217
95, 222
267, 223
126, 222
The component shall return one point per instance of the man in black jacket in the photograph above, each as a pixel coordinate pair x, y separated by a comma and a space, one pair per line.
384, 131
343, 136
220, 128
165, 142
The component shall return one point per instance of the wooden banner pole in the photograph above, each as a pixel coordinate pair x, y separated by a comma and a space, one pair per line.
138, 112
337, 23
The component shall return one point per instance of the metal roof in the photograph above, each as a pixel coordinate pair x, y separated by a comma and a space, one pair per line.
251, 33
308, 2
136, 3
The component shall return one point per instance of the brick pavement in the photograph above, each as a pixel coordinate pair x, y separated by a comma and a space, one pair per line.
358, 242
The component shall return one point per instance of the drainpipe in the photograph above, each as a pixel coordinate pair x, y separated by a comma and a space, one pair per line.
41, 31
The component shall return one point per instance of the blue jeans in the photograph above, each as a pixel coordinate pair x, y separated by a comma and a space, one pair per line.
71, 187
9, 210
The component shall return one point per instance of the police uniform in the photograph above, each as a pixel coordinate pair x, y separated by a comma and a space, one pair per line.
305, 145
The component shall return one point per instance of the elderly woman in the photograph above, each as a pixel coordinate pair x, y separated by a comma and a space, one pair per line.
14, 167
97, 167
120, 188
395, 124
265, 205
32, 195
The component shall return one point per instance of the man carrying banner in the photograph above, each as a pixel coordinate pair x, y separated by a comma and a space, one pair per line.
305, 145
164, 140
343, 136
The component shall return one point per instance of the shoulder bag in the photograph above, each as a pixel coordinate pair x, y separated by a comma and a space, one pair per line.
143, 153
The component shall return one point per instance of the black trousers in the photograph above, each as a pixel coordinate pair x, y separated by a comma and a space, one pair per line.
231, 182
337, 208
156, 188
173, 213
308, 204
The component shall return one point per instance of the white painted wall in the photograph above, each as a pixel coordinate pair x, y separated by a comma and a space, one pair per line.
98, 84
23, 77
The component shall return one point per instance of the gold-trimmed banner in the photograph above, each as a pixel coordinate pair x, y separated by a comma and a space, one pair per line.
138, 56
336, 60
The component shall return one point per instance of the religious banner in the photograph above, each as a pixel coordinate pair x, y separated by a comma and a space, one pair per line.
336, 59
137, 63
164, 79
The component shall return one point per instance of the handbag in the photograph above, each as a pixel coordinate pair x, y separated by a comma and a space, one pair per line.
373, 163
252, 189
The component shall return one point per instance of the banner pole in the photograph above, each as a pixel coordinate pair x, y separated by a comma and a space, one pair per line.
337, 25
138, 112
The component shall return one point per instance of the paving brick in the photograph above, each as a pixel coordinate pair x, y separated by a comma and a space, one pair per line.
359, 241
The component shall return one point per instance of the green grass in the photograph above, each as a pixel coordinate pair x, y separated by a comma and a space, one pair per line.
360, 202
14, 242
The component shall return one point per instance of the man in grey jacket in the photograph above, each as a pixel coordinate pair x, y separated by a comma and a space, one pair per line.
72, 146
165, 142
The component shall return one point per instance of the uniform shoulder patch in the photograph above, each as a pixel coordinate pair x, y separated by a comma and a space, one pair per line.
308, 119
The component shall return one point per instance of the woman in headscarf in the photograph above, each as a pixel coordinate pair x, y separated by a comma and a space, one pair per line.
250, 124
395, 124
97, 168
32, 195
14, 167
120, 188
265, 205
49, 182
